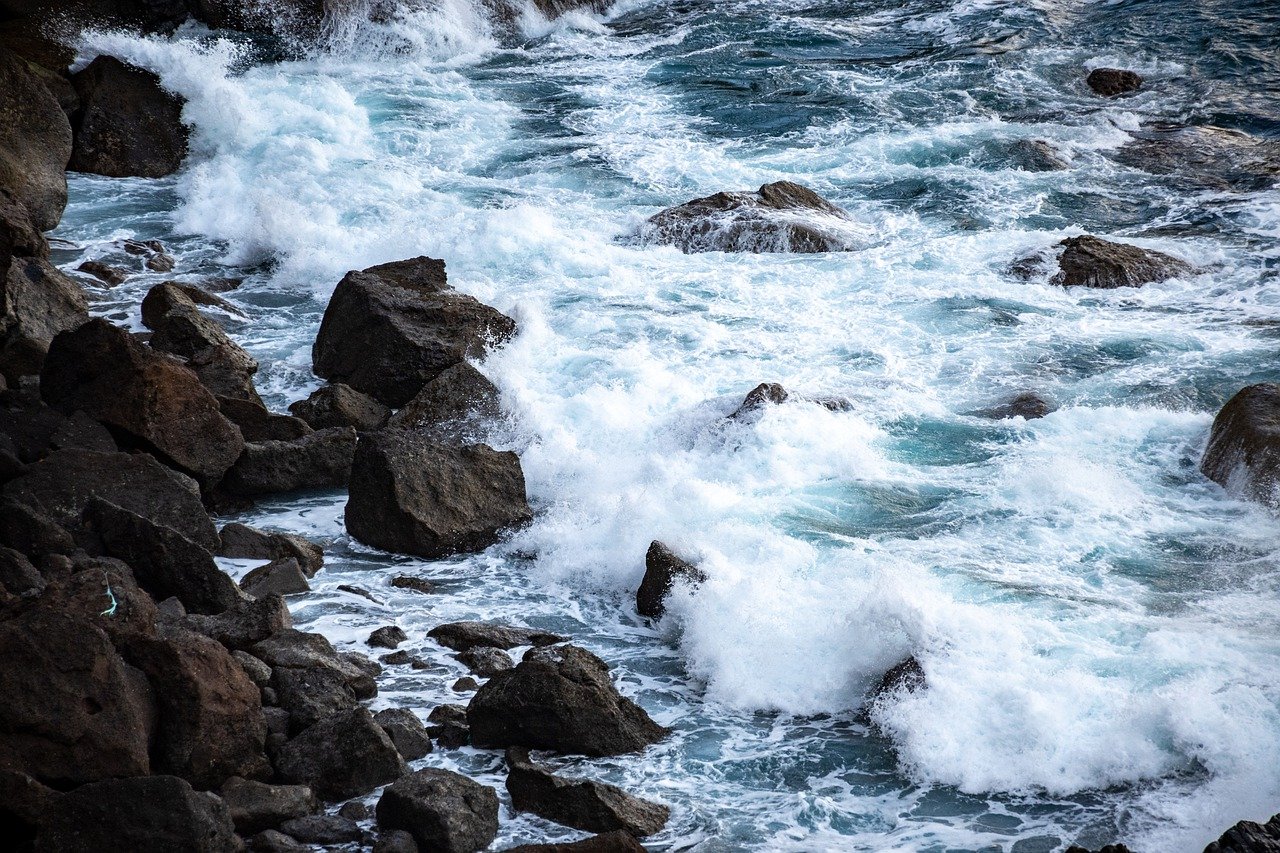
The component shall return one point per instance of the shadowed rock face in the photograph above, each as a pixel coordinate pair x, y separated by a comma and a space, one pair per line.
36, 303
442, 810
662, 569
127, 125
611, 842
346, 755
35, 142
1243, 454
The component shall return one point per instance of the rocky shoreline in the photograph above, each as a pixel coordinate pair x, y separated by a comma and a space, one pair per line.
152, 702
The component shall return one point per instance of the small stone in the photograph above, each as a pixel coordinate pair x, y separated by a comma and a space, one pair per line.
415, 584
764, 394
109, 275
160, 262
466, 684
387, 637
355, 810
485, 661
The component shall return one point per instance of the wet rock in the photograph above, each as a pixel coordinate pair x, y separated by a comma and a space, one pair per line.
613, 842
363, 663
395, 841
905, 677
390, 329
662, 568
256, 806
160, 262
165, 562
1249, 837
387, 637
1205, 157
128, 125
23, 804
257, 424
243, 542
146, 399
1036, 155
1243, 454
357, 591
466, 684
246, 624
312, 681
34, 430
279, 577
486, 662
453, 405
316, 461
355, 810
560, 698
274, 841
210, 725
764, 394
323, 829
35, 142
1093, 262
442, 810
180, 329
402, 657
779, 217
1106, 848
1026, 405
1110, 82
105, 273
463, 636
406, 732
347, 755
36, 303
413, 496
586, 805
126, 614
449, 725
340, 405
155, 813
415, 584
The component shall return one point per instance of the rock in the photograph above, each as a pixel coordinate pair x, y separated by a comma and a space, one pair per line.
316, 461
128, 125
146, 399
312, 682
406, 732
449, 725
486, 662
466, 684
355, 810
35, 142
210, 725
414, 496
74, 711
105, 273
279, 577
323, 829
357, 591
586, 805
442, 810
1106, 848
165, 562
243, 542
180, 329
401, 657
1249, 837
160, 262
347, 755
1110, 82
246, 624
1243, 453
1036, 155
613, 842
1092, 262
274, 841
415, 584
451, 405
104, 593
23, 804
387, 637
18, 576
561, 699
662, 568
1026, 405
36, 303
463, 636
363, 663
146, 815
33, 430
395, 841
1200, 157
764, 394
259, 673
340, 405
390, 329
905, 677
779, 217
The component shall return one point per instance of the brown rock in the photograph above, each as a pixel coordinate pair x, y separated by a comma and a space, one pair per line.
279, 577
662, 569
340, 405
256, 806
443, 811
586, 805
35, 142
1243, 454
258, 425
128, 125
242, 541
1110, 82
36, 303
320, 460
455, 404
180, 329
347, 755
463, 636
1092, 262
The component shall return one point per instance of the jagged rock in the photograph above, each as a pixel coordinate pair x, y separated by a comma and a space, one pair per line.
61, 487
279, 577
146, 399
613, 842
586, 805
463, 636
442, 810
1249, 837
390, 329
1243, 454
764, 394
1026, 405
416, 584
414, 496
246, 624
242, 541
323, 829
128, 125
126, 614
451, 404
147, 815
779, 217
486, 662
256, 806
560, 698
905, 677
340, 405
180, 329
449, 725
466, 684
1092, 262
316, 461
406, 732
311, 680
387, 637
34, 430
1110, 82
35, 142
363, 663
36, 303
344, 756
662, 568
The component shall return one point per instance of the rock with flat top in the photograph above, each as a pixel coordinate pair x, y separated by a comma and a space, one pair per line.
443, 811
1110, 82
256, 806
464, 636
316, 461
279, 577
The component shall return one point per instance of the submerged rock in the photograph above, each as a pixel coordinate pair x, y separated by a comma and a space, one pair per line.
588, 805
340, 405
662, 569
779, 217
764, 394
36, 303
127, 125
1026, 405
1110, 82
1205, 156
464, 636
443, 811
907, 676
485, 661
1243, 454
1036, 155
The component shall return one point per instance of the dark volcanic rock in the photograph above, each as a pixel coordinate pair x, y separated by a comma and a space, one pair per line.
256, 806
242, 541
1205, 157
907, 676
347, 755
1110, 82
613, 842
463, 636
105, 273
406, 732
662, 568
316, 461
35, 142
257, 424
274, 841
246, 624
323, 829
413, 496
1249, 837
560, 698
279, 577
145, 398
180, 329
586, 805
449, 725
127, 126
390, 329
1243, 454
387, 637
442, 810
486, 662
18, 576
764, 394
779, 217
395, 841
416, 584
1036, 155
1027, 405
452, 404
36, 303
33, 430
311, 680
31, 532
147, 815
1092, 262
23, 804
340, 405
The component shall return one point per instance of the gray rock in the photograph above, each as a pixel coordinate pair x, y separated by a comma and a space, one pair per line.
442, 810
486, 662
279, 577
406, 732
1243, 454
347, 755
452, 406
180, 329
1249, 837
256, 806
35, 143
323, 829
387, 637
249, 622
395, 841
764, 394
586, 805
36, 303
1026, 405
274, 841
259, 673
463, 636
612, 842
257, 424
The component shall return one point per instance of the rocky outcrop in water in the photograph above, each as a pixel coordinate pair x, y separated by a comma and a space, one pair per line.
1204, 157
1249, 837
1027, 405
588, 805
241, 541
37, 302
464, 636
1089, 261
442, 810
1243, 454
662, 569
1110, 82
345, 755
127, 124
452, 406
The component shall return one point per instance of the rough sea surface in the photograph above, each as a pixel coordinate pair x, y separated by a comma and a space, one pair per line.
1099, 624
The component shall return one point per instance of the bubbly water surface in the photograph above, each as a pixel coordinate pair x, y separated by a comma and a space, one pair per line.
1097, 621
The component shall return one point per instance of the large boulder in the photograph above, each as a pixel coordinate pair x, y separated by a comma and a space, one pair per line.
35, 143
34, 430
316, 461
406, 731
256, 806
1243, 454
154, 814
390, 329
279, 577
180, 329
464, 636
779, 217
242, 541
312, 681
456, 403
36, 303
343, 756
587, 805
443, 811
411, 495
146, 399
560, 698
1249, 837
128, 125
662, 569
341, 405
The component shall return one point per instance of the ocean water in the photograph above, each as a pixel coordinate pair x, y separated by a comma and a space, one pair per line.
1099, 624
